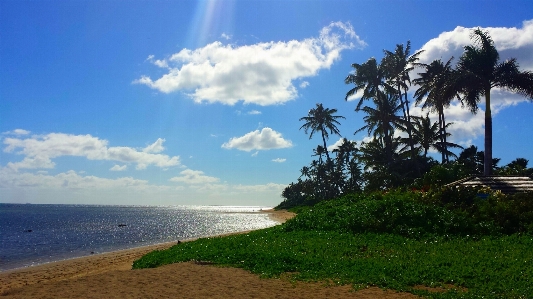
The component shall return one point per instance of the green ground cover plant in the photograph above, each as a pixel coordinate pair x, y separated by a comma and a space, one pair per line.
393, 240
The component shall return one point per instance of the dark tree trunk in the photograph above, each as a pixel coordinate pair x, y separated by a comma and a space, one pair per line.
407, 118
325, 147
442, 125
487, 161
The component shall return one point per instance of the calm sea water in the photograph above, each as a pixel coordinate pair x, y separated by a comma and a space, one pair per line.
35, 234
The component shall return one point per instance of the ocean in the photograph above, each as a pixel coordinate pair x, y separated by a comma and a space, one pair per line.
33, 234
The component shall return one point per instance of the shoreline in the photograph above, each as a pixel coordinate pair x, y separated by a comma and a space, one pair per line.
119, 260
109, 275
274, 215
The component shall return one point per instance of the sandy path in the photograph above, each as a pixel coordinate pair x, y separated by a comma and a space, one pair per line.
109, 275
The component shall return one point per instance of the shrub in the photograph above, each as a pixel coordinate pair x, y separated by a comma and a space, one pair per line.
511, 213
397, 213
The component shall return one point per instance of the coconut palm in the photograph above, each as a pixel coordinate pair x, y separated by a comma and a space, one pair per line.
345, 151
429, 136
398, 65
382, 120
480, 71
320, 119
380, 173
473, 160
436, 90
370, 77
347, 166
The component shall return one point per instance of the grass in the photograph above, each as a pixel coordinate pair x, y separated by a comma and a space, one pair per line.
321, 244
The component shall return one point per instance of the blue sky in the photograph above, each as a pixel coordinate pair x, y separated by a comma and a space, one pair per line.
197, 102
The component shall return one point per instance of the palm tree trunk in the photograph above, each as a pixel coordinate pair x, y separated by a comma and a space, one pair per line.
325, 146
407, 118
388, 146
443, 137
487, 161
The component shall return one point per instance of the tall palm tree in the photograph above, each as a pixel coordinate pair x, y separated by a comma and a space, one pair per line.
320, 119
368, 77
480, 71
436, 90
398, 65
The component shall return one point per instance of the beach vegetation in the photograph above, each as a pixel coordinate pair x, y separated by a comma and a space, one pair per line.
403, 240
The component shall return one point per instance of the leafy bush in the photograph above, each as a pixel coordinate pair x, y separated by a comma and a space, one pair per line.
398, 213
452, 198
496, 214
511, 213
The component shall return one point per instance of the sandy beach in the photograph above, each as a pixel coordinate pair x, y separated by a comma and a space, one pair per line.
109, 275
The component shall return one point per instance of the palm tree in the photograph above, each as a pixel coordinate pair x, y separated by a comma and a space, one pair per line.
369, 77
320, 119
437, 91
382, 120
473, 160
379, 172
429, 135
305, 172
398, 65
347, 166
319, 151
480, 71
345, 150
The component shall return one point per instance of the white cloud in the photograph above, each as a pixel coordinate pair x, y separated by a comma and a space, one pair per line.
335, 145
270, 187
157, 62
279, 160
510, 43
16, 132
261, 73
210, 188
69, 179
156, 147
265, 139
225, 36
190, 176
39, 150
254, 112
255, 154
304, 84
71, 187
119, 168
356, 96
32, 163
